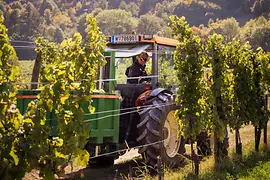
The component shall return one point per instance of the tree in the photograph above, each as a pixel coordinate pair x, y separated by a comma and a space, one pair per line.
47, 4
114, 3
13, 22
159, 10
58, 35
17, 5
150, 24
2, 8
31, 21
228, 28
103, 4
147, 5
123, 5
82, 25
261, 7
165, 31
48, 16
130, 7
257, 32
116, 21
195, 11
62, 20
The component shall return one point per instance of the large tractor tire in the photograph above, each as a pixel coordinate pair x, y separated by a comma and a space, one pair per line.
159, 133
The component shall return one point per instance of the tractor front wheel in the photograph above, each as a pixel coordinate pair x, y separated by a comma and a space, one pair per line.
159, 133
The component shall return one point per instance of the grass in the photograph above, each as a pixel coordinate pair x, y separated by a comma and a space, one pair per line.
26, 68
234, 167
259, 172
251, 165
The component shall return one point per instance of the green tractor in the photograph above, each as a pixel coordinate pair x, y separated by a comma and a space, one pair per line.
130, 115
147, 119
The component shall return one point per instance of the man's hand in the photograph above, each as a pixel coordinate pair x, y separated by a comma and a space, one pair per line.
139, 80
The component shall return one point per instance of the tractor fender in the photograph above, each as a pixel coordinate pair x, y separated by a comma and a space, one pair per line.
157, 91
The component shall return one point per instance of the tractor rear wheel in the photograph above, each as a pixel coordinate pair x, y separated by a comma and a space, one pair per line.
159, 132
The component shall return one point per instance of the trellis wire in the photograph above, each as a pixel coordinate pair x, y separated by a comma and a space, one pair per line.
101, 80
95, 119
121, 150
146, 106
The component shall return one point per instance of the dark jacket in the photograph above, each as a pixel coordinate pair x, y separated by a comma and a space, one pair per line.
135, 70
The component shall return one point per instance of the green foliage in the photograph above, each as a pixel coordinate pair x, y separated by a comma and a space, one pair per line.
130, 7
71, 63
10, 117
116, 21
58, 35
261, 7
150, 24
166, 72
238, 83
260, 62
189, 68
217, 61
257, 31
66, 15
122, 65
259, 172
31, 142
47, 4
228, 28
242, 88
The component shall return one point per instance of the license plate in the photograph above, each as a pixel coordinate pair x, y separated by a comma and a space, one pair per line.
125, 39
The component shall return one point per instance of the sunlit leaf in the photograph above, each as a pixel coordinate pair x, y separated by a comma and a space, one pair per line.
14, 156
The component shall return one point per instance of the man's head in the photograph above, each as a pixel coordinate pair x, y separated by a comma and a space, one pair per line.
143, 58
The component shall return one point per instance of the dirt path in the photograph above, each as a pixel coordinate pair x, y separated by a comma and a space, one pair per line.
124, 167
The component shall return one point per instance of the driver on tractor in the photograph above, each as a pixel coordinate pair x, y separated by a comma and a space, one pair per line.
137, 69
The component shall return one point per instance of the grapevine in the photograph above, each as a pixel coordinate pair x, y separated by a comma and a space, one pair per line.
260, 61
11, 162
220, 93
69, 71
189, 68
241, 89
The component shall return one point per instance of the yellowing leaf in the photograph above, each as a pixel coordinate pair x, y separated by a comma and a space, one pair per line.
63, 99
82, 159
17, 123
58, 154
43, 121
91, 109
64, 44
15, 157
71, 77
28, 121
76, 85
14, 73
49, 103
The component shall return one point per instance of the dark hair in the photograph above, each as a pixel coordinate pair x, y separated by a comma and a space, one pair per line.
144, 56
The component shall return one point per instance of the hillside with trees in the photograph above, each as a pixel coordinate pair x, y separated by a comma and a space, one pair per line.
57, 19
